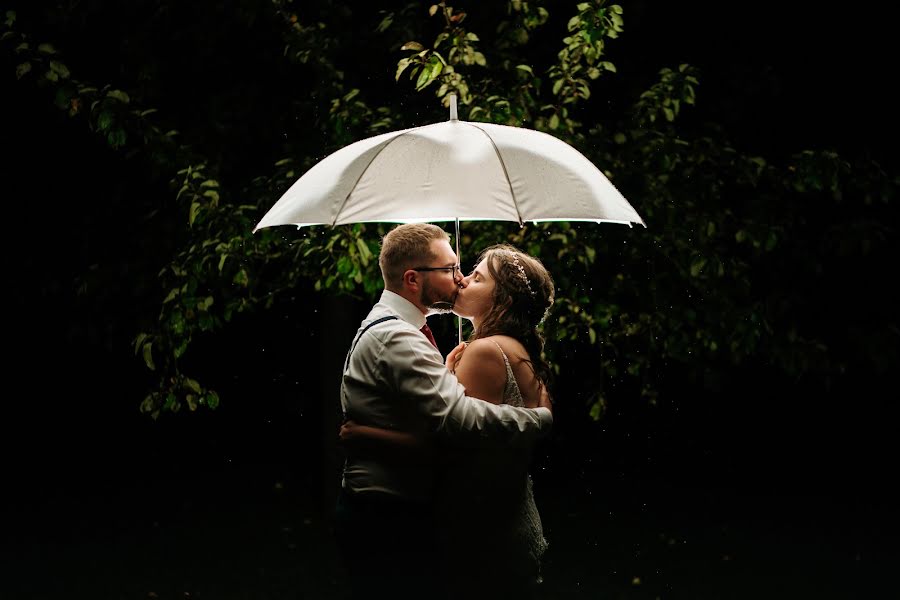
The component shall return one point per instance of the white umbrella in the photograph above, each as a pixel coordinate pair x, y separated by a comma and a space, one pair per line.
451, 171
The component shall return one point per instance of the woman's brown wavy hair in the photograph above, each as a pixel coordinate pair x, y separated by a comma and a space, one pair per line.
519, 307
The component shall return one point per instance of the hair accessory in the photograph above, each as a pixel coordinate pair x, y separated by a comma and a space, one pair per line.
522, 274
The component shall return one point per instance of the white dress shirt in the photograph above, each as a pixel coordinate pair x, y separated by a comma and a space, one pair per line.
395, 379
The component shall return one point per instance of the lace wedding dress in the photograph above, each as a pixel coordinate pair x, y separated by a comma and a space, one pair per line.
490, 524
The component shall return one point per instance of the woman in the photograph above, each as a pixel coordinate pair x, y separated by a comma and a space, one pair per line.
490, 527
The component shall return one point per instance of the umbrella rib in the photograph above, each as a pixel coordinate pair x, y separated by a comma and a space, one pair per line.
355, 183
505, 172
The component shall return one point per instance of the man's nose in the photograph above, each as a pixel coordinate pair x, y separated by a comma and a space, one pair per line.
462, 281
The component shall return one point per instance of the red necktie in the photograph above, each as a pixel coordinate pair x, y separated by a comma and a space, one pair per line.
427, 331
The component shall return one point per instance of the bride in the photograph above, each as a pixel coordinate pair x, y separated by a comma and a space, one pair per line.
488, 522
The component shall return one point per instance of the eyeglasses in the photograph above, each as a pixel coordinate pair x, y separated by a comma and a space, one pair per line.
454, 269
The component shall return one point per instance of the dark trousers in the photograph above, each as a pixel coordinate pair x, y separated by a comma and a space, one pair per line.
388, 546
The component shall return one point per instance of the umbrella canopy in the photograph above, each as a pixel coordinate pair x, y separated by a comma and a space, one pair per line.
456, 170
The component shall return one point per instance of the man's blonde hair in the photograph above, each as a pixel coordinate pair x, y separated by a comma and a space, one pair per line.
404, 247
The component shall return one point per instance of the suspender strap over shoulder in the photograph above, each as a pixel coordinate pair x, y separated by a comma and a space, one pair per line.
356, 341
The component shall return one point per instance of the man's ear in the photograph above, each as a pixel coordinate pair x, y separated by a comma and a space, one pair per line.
412, 280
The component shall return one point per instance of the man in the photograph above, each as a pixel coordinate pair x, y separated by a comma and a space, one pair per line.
394, 378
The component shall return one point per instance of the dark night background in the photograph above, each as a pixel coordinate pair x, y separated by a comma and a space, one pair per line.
768, 489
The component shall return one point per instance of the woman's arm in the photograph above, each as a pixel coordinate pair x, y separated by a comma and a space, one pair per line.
351, 432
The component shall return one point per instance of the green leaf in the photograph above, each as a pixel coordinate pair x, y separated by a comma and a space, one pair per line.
148, 356
554, 122
116, 138
415, 46
195, 210
697, 267
364, 253
401, 66
241, 278
212, 400
525, 68
598, 409
436, 68
424, 79
46, 49
23, 69
148, 404
104, 121
118, 95
138, 342
192, 384
60, 69
385, 23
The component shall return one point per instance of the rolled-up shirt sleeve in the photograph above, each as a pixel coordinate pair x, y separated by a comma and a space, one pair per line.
414, 368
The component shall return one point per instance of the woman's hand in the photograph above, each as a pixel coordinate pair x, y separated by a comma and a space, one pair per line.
455, 356
349, 431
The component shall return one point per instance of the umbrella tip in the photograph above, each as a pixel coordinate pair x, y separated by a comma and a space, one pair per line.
453, 116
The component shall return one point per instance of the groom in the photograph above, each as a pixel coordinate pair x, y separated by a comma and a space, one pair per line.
395, 378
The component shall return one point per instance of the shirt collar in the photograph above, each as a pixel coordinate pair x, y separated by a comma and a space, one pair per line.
405, 309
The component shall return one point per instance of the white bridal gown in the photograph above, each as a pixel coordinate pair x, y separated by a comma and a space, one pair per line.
488, 518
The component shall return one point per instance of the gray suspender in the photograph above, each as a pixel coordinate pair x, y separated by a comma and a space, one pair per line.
356, 341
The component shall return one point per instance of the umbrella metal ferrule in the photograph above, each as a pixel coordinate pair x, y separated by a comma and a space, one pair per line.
453, 114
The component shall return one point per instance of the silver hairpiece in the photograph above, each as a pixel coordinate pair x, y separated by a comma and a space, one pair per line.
522, 274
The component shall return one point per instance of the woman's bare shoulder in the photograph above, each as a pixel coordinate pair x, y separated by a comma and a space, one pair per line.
484, 349
511, 346
482, 371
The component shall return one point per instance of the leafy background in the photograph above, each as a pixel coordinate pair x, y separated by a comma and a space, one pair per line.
723, 426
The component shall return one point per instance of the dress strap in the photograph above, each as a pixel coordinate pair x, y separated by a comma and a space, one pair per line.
511, 393
499, 347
